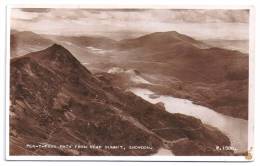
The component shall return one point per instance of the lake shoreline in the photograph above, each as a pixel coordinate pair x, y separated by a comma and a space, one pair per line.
234, 128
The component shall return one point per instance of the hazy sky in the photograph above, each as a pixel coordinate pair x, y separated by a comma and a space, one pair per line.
125, 23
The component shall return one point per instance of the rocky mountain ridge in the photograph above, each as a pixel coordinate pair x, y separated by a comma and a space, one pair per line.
55, 100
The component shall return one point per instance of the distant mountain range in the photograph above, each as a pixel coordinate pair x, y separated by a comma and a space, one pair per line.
174, 63
55, 100
153, 40
239, 45
25, 42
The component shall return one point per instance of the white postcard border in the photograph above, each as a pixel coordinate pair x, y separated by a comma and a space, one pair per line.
135, 158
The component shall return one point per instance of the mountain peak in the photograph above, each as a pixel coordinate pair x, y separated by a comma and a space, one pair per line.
162, 40
56, 46
55, 51
172, 35
166, 33
58, 58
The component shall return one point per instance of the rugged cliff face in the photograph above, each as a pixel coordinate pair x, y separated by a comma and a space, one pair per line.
54, 100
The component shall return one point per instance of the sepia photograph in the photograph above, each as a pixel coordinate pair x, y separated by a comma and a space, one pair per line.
129, 82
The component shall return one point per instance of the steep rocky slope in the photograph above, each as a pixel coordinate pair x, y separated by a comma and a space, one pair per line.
54, 100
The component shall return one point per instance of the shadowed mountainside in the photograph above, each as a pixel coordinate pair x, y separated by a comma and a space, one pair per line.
182, 57
54, 100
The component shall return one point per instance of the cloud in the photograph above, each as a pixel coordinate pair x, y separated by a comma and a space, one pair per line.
135, 21
212, 16
171, 15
